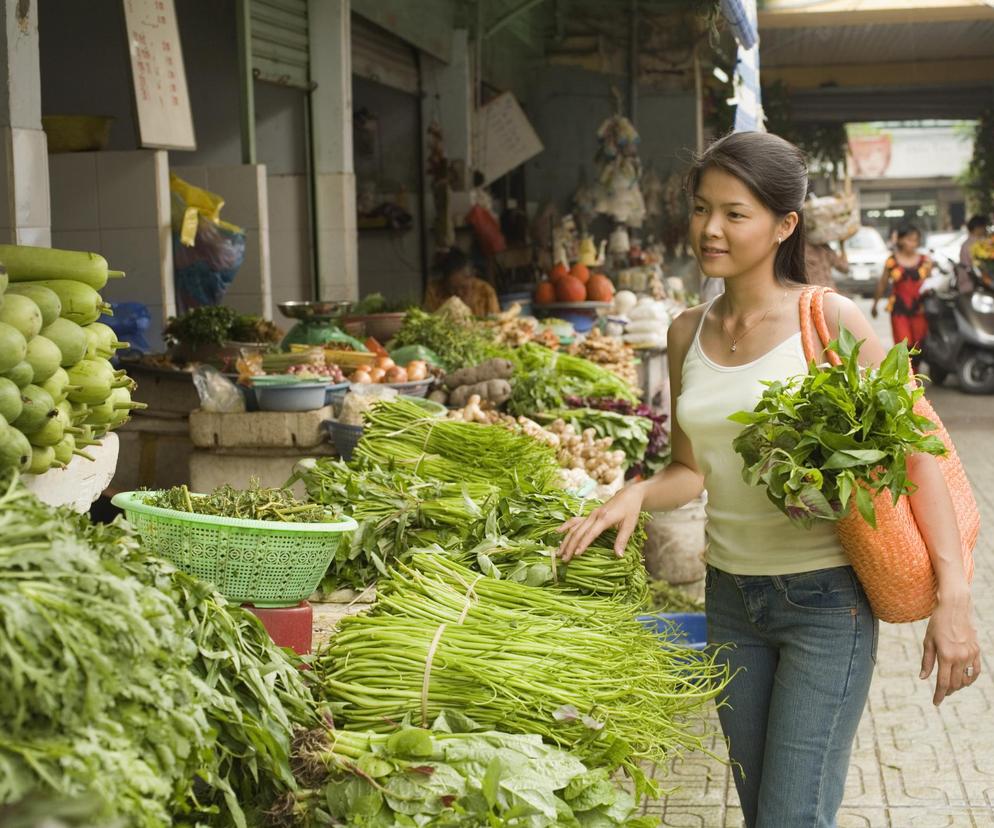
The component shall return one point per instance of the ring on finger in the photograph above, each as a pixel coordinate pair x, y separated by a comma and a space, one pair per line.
968, 671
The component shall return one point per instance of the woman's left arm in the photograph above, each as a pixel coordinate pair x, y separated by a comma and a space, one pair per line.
951, 638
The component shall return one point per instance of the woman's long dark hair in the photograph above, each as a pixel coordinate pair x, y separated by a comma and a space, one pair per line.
777, 174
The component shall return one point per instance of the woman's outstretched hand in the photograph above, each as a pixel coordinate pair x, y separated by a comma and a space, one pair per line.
622, 511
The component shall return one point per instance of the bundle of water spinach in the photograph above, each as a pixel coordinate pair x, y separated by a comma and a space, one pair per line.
531, 661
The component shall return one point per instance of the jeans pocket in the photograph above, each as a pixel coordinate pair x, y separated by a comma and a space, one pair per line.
822, 590
710, 576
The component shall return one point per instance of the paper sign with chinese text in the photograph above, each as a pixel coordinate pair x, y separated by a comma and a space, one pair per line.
162, 102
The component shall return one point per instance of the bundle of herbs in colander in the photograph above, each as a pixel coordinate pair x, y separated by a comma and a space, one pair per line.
836, 435
253, 503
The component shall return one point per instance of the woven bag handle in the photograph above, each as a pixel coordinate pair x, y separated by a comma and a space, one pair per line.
812, 306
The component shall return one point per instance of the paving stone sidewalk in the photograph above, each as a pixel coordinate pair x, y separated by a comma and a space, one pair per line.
913, 766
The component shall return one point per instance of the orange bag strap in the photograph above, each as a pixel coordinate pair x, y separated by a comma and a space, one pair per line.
812, 307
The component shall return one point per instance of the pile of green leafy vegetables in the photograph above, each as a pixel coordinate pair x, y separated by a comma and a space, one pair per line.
217, 324
836, 435
455, 774
134, 684
511, 534
545, 379
459, 344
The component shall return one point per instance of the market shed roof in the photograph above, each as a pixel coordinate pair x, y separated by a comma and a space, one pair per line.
846, 60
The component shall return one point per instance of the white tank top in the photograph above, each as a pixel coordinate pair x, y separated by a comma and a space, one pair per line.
747, 534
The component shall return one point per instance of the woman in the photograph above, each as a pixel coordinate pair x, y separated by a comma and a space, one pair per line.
904, 272
785, 597
458, 280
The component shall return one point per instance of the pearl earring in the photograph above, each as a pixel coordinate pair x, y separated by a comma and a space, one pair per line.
779, 240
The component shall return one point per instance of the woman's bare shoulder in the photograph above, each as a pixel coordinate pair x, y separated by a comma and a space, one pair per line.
685, 325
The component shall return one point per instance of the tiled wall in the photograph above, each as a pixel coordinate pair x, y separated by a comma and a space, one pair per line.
117, 204
289, 241
244, 190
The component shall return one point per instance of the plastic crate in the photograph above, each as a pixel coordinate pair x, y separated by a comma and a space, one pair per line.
262, 562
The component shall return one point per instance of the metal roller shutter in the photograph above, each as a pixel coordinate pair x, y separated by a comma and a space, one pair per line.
279, 42
379, 56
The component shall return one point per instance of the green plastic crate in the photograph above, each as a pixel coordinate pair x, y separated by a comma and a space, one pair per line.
260, 562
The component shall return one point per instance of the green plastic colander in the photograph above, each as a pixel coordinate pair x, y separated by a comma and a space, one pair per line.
260, 562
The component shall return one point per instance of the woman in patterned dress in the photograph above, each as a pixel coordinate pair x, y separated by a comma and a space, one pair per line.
904, 273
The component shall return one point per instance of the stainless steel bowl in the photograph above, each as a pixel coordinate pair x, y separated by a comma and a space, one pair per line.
314, 310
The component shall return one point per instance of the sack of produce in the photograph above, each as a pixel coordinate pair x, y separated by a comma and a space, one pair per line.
831, 218
207, 251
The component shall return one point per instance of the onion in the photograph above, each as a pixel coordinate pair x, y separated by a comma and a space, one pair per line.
361, 377
385, 363
377, 374
417, 370
396, 374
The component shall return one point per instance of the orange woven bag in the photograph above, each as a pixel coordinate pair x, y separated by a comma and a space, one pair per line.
892, 561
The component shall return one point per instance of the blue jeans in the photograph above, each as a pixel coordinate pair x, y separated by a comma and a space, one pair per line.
804, 646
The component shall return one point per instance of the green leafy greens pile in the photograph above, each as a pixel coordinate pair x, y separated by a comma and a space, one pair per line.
836, 435
134, 684
454, 775
544, 379
459, 344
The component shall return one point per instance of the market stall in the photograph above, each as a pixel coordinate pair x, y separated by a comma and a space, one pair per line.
471, 443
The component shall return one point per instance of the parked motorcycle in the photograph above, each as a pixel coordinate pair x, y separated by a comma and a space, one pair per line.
960, 337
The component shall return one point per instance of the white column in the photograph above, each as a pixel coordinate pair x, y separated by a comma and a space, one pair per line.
329, 24
25, 213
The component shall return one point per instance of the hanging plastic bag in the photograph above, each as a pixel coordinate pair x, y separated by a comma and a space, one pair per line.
487, 230
207, 251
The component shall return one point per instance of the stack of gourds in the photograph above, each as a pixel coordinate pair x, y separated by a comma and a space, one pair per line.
59, 393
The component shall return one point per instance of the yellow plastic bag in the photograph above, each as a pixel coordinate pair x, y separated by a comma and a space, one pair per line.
207, 251
191, 203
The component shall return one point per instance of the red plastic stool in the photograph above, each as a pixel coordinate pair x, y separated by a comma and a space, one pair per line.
288, 626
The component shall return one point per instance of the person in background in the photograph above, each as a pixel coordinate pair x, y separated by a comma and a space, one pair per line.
977, 229
904, 272
820, 260
458, 280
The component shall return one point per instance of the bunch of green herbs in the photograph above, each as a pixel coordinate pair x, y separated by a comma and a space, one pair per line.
459, 344
836, 435
253, 503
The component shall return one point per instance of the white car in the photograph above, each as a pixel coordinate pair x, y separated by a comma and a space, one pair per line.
867, 253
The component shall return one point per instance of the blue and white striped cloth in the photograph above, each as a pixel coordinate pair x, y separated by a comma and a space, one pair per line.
741, 17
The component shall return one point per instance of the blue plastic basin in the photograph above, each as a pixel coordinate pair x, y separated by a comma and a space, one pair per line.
691, 626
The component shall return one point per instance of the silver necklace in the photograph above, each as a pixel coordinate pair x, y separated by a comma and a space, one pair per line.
736, 340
